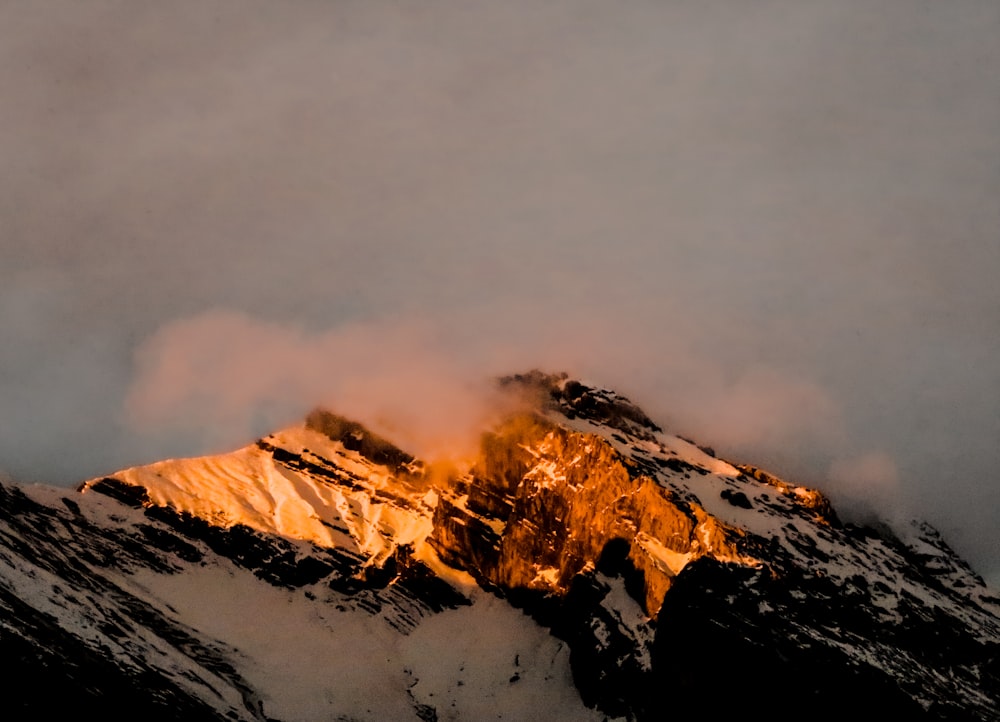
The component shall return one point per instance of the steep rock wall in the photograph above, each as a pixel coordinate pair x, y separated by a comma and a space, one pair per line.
543, 502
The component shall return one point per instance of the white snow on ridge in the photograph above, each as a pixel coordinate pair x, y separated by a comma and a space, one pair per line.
250, 487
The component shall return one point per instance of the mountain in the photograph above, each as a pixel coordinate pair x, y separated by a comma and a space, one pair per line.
585, 565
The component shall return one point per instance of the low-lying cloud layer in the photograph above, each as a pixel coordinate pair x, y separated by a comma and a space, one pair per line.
220, 378
223, 378
772, 224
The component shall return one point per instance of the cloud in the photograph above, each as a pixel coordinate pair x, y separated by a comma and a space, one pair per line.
764, 409
228, 376
224, 376
867, 485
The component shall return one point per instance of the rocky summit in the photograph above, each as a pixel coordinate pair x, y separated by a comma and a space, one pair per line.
586, 564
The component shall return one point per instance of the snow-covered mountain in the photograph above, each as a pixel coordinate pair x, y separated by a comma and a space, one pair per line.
586, 565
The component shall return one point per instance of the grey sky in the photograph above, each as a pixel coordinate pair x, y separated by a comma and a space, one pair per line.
775, 224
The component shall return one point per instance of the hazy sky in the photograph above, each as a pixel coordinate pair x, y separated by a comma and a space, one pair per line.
775, 225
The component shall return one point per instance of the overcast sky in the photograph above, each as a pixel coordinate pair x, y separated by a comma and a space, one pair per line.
775, 225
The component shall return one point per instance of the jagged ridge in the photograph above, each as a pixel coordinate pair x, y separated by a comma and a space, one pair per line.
637, 548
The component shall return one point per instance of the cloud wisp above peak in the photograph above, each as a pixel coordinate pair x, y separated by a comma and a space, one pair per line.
226, 377
223, 377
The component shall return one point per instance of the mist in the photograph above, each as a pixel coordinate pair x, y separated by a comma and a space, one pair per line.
772, 225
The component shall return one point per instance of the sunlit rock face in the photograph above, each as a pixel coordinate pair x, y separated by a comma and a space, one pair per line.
543, 502
586, 564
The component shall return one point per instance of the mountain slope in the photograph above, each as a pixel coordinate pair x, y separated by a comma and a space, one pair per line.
323, 572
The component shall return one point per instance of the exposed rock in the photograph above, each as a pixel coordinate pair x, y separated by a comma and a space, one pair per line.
543, 502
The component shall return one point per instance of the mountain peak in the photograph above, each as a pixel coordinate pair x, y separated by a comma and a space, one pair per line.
638, 549
574, 399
